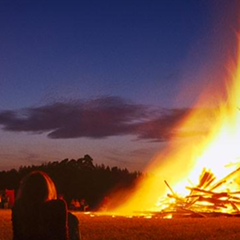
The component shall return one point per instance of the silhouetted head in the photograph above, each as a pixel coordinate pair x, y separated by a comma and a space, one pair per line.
37, 187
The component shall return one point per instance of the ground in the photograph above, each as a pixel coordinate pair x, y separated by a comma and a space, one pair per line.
95, 227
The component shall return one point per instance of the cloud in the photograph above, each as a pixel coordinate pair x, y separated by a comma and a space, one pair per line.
98, 118
162, 127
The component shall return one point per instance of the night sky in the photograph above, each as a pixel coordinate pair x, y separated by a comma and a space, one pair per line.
105, 78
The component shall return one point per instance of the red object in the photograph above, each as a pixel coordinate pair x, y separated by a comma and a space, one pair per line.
11, 197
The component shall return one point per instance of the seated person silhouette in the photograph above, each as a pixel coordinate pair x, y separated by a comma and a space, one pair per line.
38, 214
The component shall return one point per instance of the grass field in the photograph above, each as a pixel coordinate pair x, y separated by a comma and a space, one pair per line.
95, 227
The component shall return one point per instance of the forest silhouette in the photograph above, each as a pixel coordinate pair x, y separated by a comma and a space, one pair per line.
77, 179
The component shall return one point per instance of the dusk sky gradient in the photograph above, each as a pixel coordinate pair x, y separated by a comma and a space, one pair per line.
106, 78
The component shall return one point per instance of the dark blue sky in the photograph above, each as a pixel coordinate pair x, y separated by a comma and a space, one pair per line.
92, 77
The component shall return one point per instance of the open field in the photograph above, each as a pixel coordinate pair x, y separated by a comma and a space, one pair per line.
139, 228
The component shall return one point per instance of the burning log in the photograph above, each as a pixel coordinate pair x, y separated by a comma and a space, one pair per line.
206, 179
169, 187
229, 195
204, 198
228, 178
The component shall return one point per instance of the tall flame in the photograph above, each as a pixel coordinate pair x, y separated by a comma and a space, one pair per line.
213, 144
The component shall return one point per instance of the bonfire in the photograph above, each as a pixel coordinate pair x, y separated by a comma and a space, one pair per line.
198, 173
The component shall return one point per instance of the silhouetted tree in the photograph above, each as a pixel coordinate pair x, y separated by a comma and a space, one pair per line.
76, 179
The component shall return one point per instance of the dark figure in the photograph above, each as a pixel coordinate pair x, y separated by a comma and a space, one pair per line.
37, 213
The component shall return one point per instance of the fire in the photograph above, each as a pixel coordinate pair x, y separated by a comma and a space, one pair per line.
201, 163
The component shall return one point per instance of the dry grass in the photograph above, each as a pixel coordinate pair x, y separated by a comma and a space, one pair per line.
109, 228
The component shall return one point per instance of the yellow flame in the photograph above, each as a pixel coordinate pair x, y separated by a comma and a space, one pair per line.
182, 162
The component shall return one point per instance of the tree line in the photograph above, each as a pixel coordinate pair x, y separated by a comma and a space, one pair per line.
77, 179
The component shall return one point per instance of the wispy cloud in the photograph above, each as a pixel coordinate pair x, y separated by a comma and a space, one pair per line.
98, 118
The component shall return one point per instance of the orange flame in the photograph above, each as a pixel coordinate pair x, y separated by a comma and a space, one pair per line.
183, 161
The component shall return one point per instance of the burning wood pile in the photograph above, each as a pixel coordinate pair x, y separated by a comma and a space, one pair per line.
209, 198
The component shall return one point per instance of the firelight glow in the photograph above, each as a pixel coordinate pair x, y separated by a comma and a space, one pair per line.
184, 160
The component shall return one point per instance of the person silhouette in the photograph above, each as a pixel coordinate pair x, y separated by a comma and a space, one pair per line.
38, 214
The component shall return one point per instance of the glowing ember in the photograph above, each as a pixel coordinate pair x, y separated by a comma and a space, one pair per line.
199, 171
